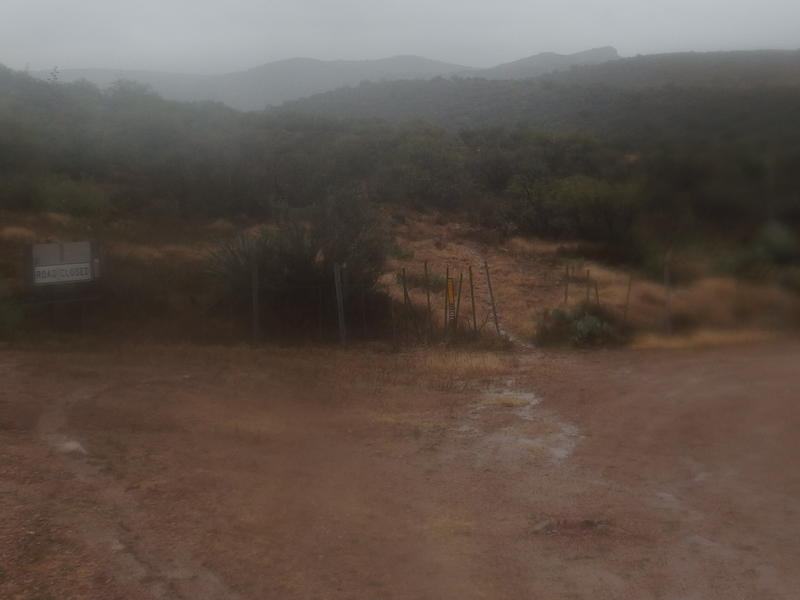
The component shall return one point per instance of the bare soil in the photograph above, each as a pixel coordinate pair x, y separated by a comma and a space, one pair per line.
179, 472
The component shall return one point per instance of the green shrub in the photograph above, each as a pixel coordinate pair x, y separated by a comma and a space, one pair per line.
10, 315
777, 244
575, 207
790, 279
586, 325
77, 198
397, 251
774, 246
53, 193
296, 263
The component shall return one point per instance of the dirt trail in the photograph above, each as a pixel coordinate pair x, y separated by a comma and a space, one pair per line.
273, 474
155, 572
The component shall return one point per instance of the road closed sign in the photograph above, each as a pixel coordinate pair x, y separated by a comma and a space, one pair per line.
72, 262
62, 273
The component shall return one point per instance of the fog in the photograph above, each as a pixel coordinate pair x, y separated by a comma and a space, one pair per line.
209, 36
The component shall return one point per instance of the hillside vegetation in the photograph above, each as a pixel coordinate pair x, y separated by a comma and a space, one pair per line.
635, 175
272, 83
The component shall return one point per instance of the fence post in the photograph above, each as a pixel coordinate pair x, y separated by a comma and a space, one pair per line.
588, 285
628, 297
394, 321
364, 314
667, 293
458, 299
256, 301
320, 310
446, 279
337, 280
491, 298
406, 299
566, 285
472, 294
428, 293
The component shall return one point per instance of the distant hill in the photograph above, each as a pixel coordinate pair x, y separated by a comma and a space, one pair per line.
547, 62
748, 68
278, 82
273, 83
672, 91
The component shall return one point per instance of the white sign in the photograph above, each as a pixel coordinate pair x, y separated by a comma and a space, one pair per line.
69, 273
67, 262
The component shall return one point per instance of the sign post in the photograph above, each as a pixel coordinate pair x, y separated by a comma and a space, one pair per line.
71, 262
63, 273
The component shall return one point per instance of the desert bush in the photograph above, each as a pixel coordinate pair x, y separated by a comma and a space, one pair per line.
54, 194
295, 262
790, 279
10, 314
586, 325
773, 247
777, 244
397, 251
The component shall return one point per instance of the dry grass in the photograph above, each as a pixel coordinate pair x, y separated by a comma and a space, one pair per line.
221, 227
137, 252
527, 277
535, 247
726, 302
59, 219
148, 253
462, 364
702, 338
18, 235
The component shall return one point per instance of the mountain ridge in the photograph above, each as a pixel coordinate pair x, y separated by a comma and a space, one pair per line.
548, 62
276, 82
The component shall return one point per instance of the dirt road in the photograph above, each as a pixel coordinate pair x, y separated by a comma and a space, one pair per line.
205, 473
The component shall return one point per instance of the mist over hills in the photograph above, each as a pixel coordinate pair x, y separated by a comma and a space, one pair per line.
273, 83
742, 68
546, 155
269, 84
677, 94
547, 62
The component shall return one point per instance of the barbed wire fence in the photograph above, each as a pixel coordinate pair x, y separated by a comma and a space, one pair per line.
416, 308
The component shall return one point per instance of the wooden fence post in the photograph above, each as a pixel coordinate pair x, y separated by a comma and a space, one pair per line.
394, 321
491, 298
337, 280
256, 300
428, 294
364, 313
628, 297
446, 279
588, 284
458, 300
320, 311
472, 294
667, 293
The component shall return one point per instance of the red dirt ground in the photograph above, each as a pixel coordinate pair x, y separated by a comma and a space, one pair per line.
196, 473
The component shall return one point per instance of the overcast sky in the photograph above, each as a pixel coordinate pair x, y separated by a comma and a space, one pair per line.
218, 36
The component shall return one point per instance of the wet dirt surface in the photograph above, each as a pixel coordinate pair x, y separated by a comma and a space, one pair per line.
613, 474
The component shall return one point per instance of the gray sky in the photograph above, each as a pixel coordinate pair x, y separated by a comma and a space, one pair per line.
218, 36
